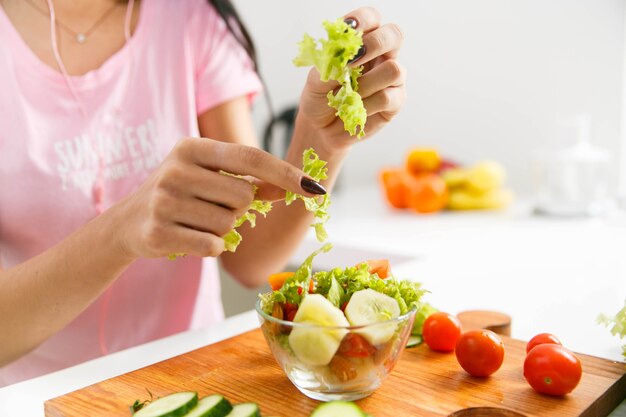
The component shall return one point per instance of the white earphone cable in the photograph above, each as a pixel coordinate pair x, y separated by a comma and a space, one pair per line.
57, 57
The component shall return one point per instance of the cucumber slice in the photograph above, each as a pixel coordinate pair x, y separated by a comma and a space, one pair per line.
338, 409
315, 308
315, 346
245, 410
414, 341
369, 306
211, 406
173, 405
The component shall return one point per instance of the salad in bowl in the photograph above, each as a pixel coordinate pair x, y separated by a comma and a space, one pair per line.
337, 334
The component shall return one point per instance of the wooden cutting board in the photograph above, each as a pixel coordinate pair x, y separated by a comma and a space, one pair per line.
424, 383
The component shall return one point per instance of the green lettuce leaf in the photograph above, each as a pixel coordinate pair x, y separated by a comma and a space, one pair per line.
296, 286
339, 284
315, 168
617, 325
331, 56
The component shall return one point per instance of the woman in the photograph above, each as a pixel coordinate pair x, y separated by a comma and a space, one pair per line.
105, 169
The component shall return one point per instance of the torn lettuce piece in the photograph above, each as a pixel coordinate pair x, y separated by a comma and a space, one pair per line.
233, 238
315, 168
330, 57
349, 108
617, 325
296, 286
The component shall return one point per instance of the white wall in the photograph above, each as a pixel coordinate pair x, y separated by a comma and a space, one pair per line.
487, 78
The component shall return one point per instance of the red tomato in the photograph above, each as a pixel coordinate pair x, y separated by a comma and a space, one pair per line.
355, 346
540, 339
441, 331
480, 352
289, 311
552, 369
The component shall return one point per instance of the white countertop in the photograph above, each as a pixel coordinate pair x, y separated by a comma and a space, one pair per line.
550, 275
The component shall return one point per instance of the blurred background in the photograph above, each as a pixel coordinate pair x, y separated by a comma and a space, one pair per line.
499, 80
486, 78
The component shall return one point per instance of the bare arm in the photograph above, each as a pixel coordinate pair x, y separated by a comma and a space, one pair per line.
42, 295
266, 248
186, 205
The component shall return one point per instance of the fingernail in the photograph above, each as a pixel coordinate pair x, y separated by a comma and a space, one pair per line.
311, 186
358, 55
351, 22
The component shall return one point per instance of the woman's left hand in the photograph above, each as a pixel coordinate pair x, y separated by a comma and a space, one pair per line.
381, 86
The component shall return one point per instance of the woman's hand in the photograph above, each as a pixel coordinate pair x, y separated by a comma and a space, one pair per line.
381, 86
187, 205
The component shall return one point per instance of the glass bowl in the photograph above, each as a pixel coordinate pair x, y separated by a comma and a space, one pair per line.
355, 369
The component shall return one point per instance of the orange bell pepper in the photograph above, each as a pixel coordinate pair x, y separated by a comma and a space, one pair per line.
277, 280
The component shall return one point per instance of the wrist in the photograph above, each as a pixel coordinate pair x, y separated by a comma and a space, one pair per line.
307, 135
112, 226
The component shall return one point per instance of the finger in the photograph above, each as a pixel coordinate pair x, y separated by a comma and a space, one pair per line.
364, 19
268, 192
389, 101
387, 74
384, 41
247, 160
317, 86
204, 217
214, 187
194, 242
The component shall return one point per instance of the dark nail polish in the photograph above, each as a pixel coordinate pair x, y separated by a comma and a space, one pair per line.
312, 186
358, 55
352, 22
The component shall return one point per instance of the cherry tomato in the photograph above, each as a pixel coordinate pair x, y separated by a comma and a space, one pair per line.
552, 369
441, 331
542, 338
355, 346
480, 352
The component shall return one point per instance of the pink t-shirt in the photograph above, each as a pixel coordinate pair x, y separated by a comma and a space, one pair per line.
59, 169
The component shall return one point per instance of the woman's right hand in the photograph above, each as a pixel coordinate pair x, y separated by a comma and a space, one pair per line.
187, 205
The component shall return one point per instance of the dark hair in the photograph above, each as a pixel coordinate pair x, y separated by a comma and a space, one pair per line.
228, 13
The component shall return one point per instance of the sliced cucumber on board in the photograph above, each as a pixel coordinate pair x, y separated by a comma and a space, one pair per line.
211, 406
338, 409
413, 341
245, 410
173, 405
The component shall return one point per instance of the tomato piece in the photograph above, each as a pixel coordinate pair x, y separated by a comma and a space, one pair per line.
277, 280
428, 194
291, 314
378, 266
542, 338
354, 345
479, 352
310, 290
552, 369
289, 311
441, 331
